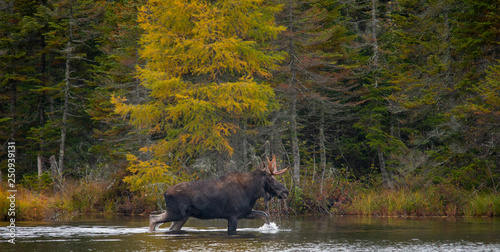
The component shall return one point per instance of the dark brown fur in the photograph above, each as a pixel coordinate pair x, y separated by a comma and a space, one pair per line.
230, 197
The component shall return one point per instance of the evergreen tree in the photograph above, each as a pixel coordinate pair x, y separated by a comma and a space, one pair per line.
20, 66
71, 37
41, 97
439, 59
115, 74
372, 117
312, 79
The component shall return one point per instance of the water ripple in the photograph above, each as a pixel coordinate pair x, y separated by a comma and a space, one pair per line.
70, 231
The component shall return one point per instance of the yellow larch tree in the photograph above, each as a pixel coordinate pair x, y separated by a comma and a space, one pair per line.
202, 61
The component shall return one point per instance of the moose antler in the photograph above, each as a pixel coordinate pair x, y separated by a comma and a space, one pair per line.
272, 167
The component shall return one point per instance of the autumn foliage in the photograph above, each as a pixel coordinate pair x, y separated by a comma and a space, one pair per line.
201, 60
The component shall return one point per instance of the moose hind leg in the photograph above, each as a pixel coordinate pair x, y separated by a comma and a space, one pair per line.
156, 220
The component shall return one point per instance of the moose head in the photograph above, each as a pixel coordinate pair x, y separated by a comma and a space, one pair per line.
272, 186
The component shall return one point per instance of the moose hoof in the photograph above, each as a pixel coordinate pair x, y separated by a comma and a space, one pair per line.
153, 228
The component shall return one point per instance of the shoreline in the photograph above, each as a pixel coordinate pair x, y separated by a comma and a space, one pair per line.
384, 203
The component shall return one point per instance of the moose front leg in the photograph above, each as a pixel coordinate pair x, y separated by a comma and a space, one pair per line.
232, 223
256, 214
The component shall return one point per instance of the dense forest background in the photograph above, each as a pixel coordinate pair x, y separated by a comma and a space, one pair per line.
352, 95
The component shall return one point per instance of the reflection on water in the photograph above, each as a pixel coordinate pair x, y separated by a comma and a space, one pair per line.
115, 233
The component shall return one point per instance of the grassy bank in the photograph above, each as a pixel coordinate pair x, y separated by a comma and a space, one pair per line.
431, 201
80, 197
76, 198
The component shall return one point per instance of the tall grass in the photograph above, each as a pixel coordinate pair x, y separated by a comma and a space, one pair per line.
88, 197
431, 201
77, 197
393, 203
29, 205
483, 205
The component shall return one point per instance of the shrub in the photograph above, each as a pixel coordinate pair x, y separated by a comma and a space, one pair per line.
33, 182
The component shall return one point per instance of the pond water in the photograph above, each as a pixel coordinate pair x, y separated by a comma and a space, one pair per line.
118, 233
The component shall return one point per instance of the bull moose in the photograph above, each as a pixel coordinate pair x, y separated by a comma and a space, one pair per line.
231, 196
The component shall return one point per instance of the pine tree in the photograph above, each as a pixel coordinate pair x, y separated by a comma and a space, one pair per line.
312, 82
115, 74
442, 49
70, 37
371, 115
19, 45
32, 60
482, 111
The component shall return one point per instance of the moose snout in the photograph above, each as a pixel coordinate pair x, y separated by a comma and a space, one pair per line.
283, 194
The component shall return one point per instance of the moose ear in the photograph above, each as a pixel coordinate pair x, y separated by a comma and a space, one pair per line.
262, 166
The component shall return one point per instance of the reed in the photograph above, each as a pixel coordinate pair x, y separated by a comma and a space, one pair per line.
430, 201
87, 197
46, 204
32, 206
4, 204
29, 205
483, 205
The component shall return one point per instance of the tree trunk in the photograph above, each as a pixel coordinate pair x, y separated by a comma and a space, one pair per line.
67, 73
41, 111
40, 166
245, 154
65, 110
295, 143
245, 147
40, 170
322, 149
13, 110
385, 175
375, 59
267, 150
387, 180
53, 171
53, 166
293, 110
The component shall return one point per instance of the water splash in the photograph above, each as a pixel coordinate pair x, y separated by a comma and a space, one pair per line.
269, 228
